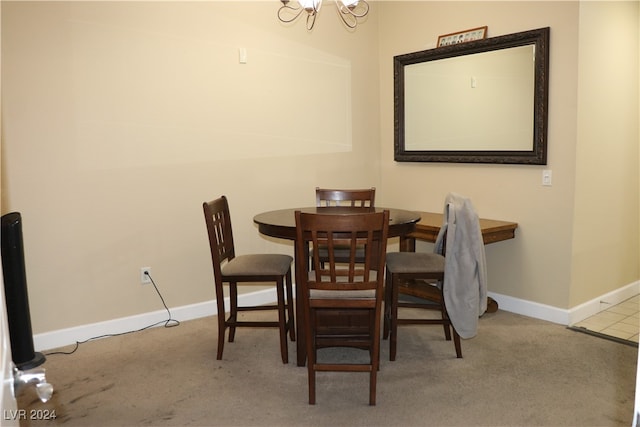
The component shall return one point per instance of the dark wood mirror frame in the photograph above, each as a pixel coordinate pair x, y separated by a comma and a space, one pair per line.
538, 153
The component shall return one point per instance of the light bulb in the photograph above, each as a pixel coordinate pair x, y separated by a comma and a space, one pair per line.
310, 5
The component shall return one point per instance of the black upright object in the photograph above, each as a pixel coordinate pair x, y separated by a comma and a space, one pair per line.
16, 296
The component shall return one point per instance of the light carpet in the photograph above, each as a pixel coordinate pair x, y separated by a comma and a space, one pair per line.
518, 371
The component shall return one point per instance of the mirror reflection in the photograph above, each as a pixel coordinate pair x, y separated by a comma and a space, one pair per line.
459, 91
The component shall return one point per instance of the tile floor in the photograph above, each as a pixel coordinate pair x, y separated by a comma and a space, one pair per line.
621, 320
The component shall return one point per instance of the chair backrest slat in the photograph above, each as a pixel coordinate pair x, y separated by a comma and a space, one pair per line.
354, 198
218, 220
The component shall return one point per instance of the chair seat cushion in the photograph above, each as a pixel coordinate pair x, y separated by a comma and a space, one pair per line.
346, 294
258, 265
414, 262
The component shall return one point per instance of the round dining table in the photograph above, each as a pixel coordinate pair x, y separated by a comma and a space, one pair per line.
281, 224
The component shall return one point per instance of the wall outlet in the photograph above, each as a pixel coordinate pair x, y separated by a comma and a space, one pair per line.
145, 275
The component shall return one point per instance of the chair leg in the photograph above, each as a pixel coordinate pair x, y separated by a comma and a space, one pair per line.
447, 330
312, 384
282, 321
375, 360
311, 355
372, 387
456, 341
456, 337
290, 307
233, 303
393, 341
222, 325
386, 317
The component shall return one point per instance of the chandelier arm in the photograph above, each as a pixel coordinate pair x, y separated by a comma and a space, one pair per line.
348, 19
296, 10
311, 20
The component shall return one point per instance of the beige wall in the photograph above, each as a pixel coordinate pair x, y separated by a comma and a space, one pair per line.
561, 228
536, 265
606, 195
120, 119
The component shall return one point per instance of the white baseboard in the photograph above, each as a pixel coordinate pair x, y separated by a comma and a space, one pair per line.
566, 316
530, 308
69, 336
596, 305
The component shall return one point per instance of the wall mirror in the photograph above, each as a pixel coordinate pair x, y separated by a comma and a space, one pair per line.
483, 101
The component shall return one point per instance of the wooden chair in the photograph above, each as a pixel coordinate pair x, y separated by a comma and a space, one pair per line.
364, 198
255, 268
342, 288
454, 285
356, 198
415, 274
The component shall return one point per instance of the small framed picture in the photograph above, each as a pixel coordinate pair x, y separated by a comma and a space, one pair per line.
463, 36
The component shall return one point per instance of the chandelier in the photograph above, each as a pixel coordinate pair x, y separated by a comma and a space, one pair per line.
349, 10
